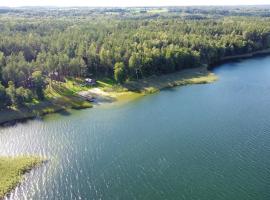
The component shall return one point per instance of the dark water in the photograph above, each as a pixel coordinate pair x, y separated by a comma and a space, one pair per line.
200, 142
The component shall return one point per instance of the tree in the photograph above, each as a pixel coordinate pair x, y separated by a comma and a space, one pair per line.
11, 92
135, 64
41, 61
63, 64
4, 98
39, 84
2, 63
92, 59
23, 95
74, 67
18, 96
83, 45
119, 72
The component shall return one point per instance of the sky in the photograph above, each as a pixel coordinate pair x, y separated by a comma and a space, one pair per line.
127, 3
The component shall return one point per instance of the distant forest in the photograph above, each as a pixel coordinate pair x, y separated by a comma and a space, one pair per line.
38, 45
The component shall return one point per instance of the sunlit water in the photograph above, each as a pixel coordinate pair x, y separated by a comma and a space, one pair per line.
200, 142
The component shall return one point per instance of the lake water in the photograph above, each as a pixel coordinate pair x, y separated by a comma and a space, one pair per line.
199, 142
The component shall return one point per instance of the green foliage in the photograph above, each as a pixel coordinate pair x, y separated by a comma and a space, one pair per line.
126, 45
119, 72
24, 94
39, 84
17, 69
11, 92
18, 96
2, 63
4, 98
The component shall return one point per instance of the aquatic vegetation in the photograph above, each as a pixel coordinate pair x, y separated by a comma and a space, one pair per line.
12, 170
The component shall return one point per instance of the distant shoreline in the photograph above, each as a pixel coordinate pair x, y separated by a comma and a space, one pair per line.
241, 56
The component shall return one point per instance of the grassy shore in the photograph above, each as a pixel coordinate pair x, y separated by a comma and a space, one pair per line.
71, 95
59, 97
12, 171
110, 92
185, 77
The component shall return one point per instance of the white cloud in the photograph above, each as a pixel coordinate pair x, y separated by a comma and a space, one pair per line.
14, 3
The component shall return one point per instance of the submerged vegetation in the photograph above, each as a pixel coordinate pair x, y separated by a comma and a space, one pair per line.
46, 53
12, 171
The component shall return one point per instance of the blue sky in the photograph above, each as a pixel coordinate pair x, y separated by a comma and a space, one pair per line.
14, 3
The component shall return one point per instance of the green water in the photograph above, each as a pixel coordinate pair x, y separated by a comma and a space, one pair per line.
200, 142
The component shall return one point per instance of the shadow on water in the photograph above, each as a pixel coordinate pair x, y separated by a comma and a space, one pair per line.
234, 61
171, 89
64, 113
26, 119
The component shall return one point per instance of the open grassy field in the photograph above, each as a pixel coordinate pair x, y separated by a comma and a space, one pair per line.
12, 171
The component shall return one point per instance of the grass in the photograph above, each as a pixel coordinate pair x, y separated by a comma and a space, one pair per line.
156, 83
138, 88
12, 171
70, 87
106, 82
65, 95
59, 96
11, 115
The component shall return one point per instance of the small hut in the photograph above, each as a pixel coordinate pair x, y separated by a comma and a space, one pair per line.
89, 81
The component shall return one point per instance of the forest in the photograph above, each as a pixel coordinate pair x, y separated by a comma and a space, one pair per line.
39, 46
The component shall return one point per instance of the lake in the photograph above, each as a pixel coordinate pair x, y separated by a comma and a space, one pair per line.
198, 142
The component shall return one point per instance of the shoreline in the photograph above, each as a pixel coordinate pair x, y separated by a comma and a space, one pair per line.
247, 55
124, 93
117, 93
11, 116
135, 89
241, 56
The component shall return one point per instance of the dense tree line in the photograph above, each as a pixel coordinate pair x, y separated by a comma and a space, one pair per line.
37, 49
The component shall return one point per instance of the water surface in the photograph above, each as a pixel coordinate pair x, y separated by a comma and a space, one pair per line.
200, 142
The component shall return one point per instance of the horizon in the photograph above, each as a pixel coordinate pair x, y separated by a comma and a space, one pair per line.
165, 6
131, 3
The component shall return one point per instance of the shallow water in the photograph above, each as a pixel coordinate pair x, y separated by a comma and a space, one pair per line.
207, 142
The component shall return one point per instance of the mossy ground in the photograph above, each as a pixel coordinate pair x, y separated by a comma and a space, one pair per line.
12, 171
